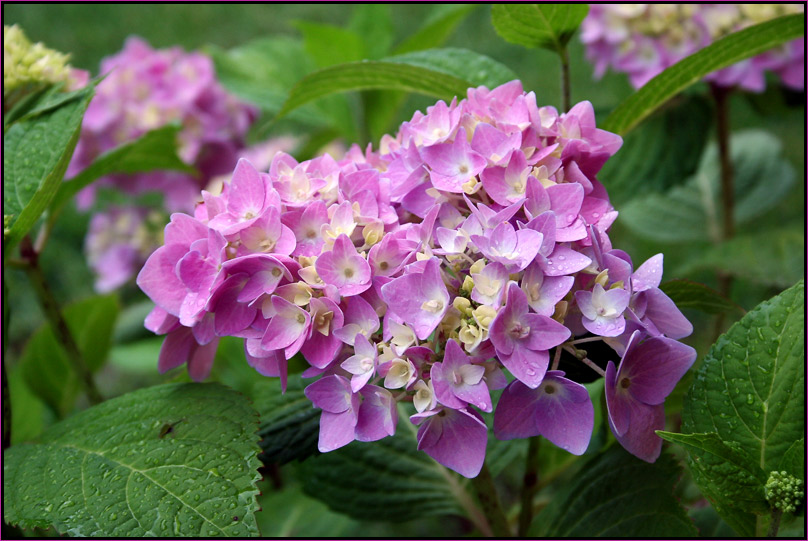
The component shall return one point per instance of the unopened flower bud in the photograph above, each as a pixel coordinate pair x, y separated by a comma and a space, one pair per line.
462, 304
468, 284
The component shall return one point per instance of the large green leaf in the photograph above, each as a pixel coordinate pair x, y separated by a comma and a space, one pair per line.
617, 495
327, 44
462, 63
290, 513
154, 150
290, 425
374, 23
386, 480
549, 26
44, 363
650, 160
726, 473
687, 294
36, 152
171, 460
692, 212
726, 51
436, 29
750, 390
373, 75
27, 409
773, 258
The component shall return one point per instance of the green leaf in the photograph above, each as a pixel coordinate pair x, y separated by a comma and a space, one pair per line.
617, 495
138, 357
373, 75
726, 51
793, 460
154, 150
290, 425
773, 258
750, 389
461, 63
327, 44
27, 410
436, 30
374, 24
710, 524
687, 294
44, 363
36, 152
692, 212
650, 161
386, 480
171, 460
548, 26
725, 473
290, 513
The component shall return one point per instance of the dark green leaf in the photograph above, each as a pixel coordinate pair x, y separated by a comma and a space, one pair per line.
793, 460
290, 513
710, 524
36, 152
733, 48
374, 24
373, 75
771, 257
139, 357
725, 473
750, 389
386, 480
617, 495
650, 160
27, 410
437, 28
549, 26
172, 460
687, 294
327, 44
692, 212
155, 150
44, 363
290, 425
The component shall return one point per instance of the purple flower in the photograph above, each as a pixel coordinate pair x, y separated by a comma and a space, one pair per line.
636, 390
457, 382
558, 409
419, 299
514, 249
344, 268
340, 406
522, 339
453, 164
454, 438
603, 310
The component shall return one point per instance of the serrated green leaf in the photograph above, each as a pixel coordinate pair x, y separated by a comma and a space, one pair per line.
726, 473
327, 44
154, 150
373, 75
36, 152
692, 212
617, 495
386, 480
750, 389
650, 160
436, 30
773, 258
164, 461
290, 425
726, 51
687, 294
44, 363
548, 26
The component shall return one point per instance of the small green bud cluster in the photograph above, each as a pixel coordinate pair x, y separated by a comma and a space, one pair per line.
25, 62
784, 491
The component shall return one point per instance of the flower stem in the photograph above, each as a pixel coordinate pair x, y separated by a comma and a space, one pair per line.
774, 525
721, 98
6, 406
489, 502
529, 485
565, 78
60, 329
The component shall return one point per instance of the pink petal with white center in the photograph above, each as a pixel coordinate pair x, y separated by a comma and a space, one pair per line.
289, 323
507, 185
247, 191
344, 268
360, 317
453, 164
420, 299
494, 144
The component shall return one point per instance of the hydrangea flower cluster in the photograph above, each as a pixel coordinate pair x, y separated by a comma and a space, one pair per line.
25, 62
145, 89
644, 39
471, 245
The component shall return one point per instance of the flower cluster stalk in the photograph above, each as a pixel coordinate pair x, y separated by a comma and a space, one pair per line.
489, 502
530, 483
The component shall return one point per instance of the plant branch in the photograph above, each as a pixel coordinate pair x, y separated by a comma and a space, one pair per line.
530, 483
774, 525
489, 502
565, 78
60, 329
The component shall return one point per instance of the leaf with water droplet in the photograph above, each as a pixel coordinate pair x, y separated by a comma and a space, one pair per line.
127, 476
